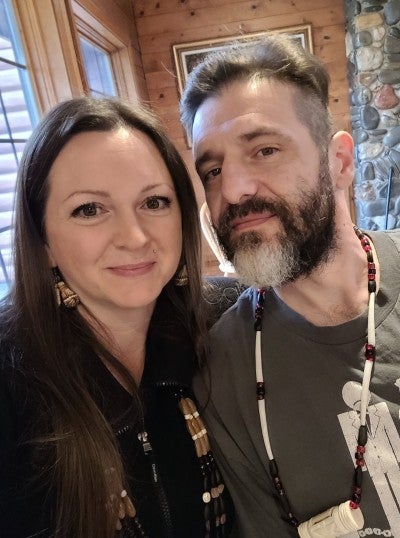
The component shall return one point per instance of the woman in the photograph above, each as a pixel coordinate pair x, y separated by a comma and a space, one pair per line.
100, 336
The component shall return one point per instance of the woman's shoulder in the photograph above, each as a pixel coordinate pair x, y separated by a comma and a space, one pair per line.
13, 395
10, 355
10, 358
13, 379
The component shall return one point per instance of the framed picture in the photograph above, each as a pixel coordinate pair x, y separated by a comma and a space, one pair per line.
188, 55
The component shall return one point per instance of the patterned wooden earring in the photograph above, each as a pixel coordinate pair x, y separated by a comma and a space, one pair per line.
182, 278
64, 294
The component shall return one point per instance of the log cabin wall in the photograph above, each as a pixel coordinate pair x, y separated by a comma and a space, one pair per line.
163, 23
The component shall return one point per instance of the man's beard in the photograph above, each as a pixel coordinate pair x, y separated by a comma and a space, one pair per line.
306, 241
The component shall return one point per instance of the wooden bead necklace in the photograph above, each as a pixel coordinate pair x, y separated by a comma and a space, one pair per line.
214, 507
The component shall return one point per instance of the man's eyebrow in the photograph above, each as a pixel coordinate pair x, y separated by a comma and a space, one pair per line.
261, 131
203, 158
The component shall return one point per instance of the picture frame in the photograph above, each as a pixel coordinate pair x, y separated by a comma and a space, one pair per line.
188, 55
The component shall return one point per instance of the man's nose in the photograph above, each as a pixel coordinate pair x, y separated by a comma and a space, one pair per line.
238, 183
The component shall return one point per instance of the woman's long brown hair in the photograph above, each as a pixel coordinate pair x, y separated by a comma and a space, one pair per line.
86, 470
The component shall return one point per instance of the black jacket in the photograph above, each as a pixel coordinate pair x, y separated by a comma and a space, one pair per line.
26, 507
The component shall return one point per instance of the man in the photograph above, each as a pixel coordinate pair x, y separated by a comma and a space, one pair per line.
302, 418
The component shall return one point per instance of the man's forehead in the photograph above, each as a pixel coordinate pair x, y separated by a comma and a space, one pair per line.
239, 131
240, 102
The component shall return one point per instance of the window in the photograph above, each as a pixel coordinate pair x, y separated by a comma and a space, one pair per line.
18, 116
106, 50
98, 70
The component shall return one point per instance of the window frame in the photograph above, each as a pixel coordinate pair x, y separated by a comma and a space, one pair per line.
117, 46
50, 34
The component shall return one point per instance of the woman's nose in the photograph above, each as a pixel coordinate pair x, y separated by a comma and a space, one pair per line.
129, 233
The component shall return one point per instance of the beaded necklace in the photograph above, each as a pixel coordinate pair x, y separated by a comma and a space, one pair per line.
362, 433
212, 497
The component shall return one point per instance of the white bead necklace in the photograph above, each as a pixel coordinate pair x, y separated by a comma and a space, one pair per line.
347, 517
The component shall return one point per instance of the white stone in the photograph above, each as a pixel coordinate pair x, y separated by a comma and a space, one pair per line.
375, 85
389, 119
367, 20
349, 44
378, 33
368, 150
381, 221
363, 192
369, 58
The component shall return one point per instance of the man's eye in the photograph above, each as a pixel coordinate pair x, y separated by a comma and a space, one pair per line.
211, 174
86, 210
266, 151
157, 202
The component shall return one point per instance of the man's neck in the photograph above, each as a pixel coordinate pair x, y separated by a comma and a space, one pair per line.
336, 291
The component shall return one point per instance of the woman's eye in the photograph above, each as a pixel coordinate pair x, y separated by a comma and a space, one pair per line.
211, 174
86, 210
157, 202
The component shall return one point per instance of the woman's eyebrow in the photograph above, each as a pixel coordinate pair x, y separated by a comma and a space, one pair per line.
95, 192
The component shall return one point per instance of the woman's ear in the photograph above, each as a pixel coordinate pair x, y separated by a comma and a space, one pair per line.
341, 160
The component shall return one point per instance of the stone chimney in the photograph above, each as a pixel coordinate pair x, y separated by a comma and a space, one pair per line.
373, 56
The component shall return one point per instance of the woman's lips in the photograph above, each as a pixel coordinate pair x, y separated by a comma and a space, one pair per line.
136, 269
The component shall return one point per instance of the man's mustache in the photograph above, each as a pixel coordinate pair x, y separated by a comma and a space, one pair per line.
252, 205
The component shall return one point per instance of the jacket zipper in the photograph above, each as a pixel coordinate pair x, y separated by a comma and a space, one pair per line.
123, 430
159, 488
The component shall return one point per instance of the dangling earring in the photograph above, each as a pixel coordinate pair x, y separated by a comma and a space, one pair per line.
182, 278
64, 294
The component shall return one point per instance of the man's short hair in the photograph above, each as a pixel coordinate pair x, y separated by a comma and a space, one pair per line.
275, 57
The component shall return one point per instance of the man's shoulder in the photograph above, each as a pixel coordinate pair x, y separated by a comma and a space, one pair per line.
394, 235
385, 236
220, 293
230, 337
239, 314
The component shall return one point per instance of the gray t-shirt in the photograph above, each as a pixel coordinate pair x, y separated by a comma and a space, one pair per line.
313, 378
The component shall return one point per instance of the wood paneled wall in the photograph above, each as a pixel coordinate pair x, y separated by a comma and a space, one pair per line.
163, 23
